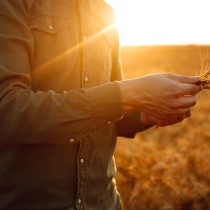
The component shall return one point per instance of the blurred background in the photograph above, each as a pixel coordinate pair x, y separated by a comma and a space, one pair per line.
166, 168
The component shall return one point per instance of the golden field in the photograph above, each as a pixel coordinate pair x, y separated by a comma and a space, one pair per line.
166, 168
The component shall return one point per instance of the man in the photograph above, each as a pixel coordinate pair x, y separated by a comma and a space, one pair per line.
62, 104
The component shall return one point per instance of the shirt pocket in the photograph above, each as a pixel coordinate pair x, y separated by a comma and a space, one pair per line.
52, 50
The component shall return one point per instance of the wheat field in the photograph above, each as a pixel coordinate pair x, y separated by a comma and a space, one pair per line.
166, 168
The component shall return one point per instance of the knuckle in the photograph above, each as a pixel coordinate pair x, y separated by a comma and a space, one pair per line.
185, 77
177, 92
195, 89
168, 74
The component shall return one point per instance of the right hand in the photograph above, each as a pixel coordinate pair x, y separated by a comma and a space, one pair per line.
163, 96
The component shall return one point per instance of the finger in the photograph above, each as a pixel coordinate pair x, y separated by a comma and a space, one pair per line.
182, 103
172, 114
180, 118
185, 79
162, 123
183, 113
191, 89
189, 101
188, 114
168, 122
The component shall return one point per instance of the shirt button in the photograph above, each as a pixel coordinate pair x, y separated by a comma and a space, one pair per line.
84, 38
50, 27
86, 79
79, 201
82, 161
71, 140
109, 122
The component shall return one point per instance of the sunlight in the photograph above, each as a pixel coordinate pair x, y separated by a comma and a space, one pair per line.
152, 22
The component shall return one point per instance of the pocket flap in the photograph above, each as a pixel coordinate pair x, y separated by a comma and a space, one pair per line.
69, 3
48, 23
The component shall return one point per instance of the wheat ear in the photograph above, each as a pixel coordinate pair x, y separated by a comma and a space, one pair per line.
205, 71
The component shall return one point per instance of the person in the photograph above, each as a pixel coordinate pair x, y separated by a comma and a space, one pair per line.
63, 103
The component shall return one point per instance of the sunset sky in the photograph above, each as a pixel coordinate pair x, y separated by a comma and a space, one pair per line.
162, 22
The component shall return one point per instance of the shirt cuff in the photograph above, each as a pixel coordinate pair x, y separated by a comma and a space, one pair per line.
106, 104
130, 125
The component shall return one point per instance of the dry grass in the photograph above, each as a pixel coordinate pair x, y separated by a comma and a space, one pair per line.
167, 168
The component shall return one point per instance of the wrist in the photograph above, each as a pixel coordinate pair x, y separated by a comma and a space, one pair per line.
131, 94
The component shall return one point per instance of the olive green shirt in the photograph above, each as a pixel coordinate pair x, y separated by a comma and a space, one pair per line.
60, 105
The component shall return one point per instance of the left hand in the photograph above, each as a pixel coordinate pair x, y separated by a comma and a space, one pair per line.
147, 120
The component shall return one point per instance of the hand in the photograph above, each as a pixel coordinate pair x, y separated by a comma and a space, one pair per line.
147, 120
162, 96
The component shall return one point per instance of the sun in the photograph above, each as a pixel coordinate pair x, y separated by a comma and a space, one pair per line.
162, 22
142, 22
128, 21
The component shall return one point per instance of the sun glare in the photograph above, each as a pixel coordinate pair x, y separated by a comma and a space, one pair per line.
152, 22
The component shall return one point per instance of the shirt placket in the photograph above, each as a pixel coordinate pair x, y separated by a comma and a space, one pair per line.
82, 161
82, 158
86, 71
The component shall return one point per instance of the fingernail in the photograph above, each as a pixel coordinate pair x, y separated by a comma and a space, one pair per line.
197, 78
